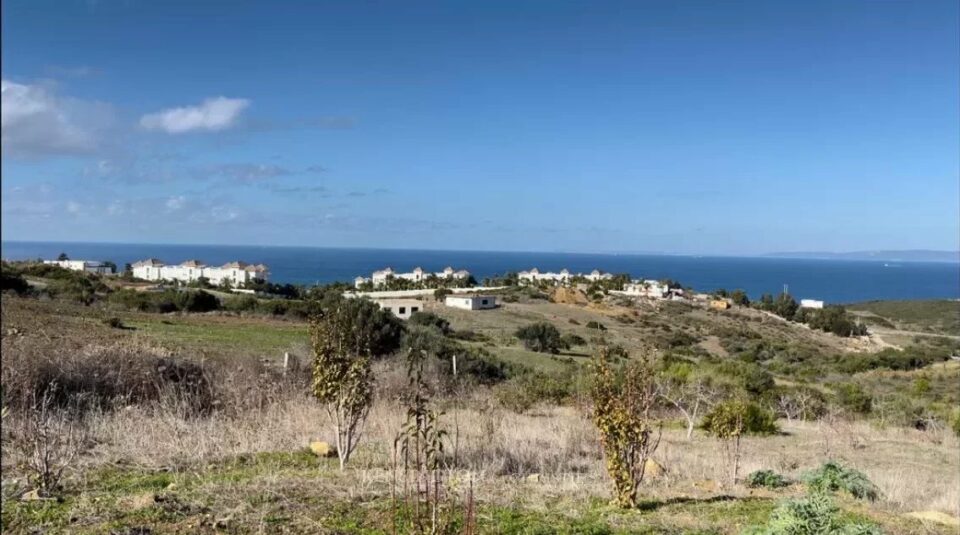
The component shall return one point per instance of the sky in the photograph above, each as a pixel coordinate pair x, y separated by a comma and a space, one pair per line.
583, 126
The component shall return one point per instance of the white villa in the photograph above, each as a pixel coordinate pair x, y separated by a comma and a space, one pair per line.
471, 302
562, 277
418, 274
238, 273
811, 303
647, 288
90, 266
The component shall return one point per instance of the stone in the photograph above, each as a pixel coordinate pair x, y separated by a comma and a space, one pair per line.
322, 449
31, 496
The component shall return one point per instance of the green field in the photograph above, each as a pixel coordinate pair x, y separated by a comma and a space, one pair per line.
933, 316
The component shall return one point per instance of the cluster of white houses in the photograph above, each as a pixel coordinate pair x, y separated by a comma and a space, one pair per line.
564, 275
89, 266
380, 277
237, 273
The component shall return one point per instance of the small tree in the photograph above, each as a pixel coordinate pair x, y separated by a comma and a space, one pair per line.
732, 419
62, 257
342, 378
622, 407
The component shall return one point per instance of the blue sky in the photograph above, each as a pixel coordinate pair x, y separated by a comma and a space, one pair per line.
684, 127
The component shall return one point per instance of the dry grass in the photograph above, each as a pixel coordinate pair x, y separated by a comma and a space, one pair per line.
498, 448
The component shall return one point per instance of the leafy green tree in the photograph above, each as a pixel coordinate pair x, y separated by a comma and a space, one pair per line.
541, 337
62, 257
343, 339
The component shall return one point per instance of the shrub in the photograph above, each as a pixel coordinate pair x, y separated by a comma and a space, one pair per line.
832, 476
246, 303
197, 301
113, 322
766, 479
569, 340
816, 514
541, 337
732, 419
12, 281
430, 319
441, 293
512, 396
596, 326
853, 398
956, 423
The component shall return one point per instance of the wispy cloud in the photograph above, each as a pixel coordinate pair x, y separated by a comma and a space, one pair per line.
245, 172
213, 114
36, 121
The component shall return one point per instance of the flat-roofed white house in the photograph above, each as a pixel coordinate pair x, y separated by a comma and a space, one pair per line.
647, 288
811, 303
380, 277
401, 308
89, 266
471, 302
238, 273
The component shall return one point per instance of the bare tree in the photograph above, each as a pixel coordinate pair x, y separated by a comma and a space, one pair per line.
52, 442
691, 396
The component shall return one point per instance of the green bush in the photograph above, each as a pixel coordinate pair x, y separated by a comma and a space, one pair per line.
196, 301
853, 398
738, 417
246, 303
13, 281
956, 423
541, 337
572, 340
430, 319
832, 476
816, 514
766, 479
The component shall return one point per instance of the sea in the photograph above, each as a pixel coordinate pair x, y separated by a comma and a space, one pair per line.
833, 281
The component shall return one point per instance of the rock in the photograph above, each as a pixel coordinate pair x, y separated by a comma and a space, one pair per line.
936, 517
533, 478
654, 470
31, 496
172, 487
322, 449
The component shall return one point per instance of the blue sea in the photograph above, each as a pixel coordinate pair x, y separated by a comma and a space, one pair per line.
834, 281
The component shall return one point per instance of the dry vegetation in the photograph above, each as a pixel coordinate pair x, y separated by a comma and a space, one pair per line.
198, 429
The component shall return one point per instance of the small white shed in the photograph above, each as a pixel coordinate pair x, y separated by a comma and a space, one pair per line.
401, 308
811, 303
471, 302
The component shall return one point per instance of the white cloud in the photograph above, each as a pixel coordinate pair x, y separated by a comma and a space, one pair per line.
213, 114
36, 121
176, 203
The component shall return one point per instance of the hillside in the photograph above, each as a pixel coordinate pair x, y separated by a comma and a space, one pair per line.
522, 453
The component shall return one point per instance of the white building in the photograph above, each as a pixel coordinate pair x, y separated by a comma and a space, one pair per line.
597, 275
561, 277
418, 275
401, 308
647, 288
535, 275
90, 266
238, 273
471, 302
811, 303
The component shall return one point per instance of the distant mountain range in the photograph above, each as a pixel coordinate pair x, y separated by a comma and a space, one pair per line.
912, 255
